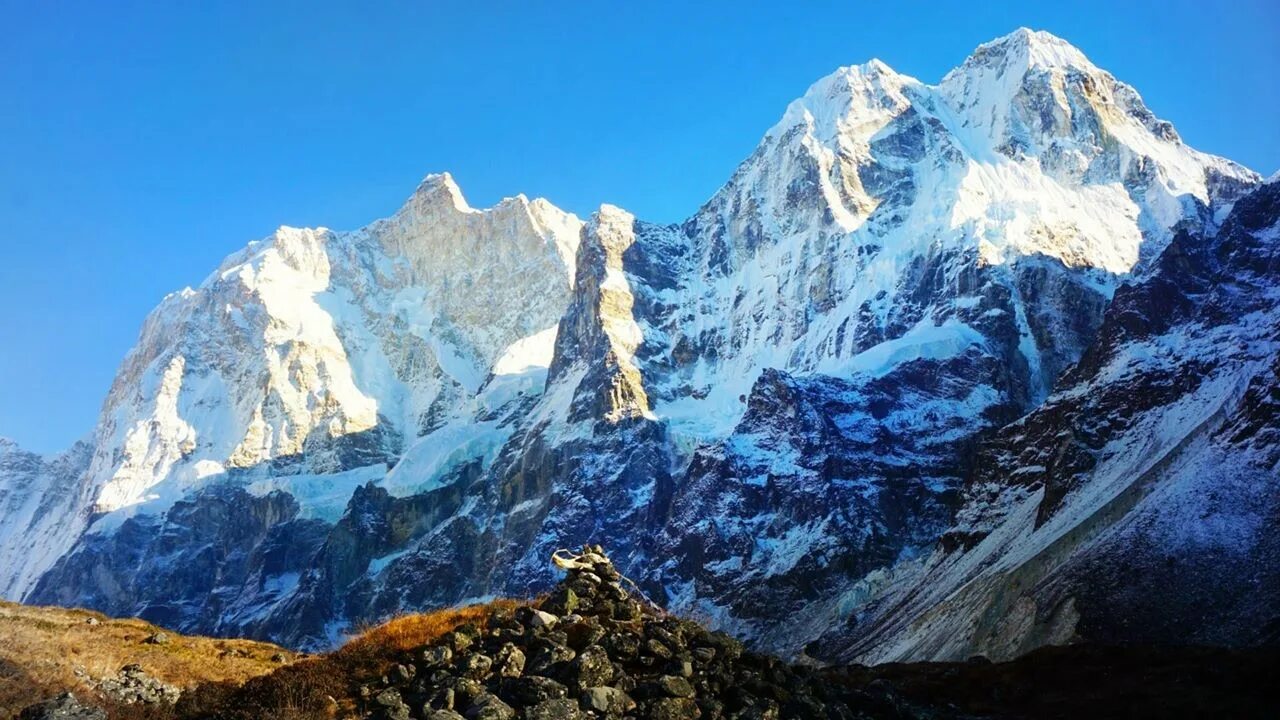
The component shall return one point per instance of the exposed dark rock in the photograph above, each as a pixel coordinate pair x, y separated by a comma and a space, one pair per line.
63, 707
633, 661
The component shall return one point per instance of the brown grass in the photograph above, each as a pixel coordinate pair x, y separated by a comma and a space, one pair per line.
42, 647
328, 686
412, 631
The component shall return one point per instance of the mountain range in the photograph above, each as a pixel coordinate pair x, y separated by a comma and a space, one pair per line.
942, 370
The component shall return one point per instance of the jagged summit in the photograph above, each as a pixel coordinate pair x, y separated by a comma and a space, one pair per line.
1025, 49
440, 187
1027, 128
865, 90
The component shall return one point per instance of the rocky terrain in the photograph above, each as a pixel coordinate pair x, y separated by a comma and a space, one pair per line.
595, 648
111, 663
942, 370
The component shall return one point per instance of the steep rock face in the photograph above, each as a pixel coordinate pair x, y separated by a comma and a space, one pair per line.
1152, 466
33, 488
767, 412
218, 556
308, 362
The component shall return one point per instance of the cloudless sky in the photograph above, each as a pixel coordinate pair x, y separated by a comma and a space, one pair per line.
140, 143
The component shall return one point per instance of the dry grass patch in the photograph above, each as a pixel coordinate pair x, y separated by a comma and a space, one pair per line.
41, 649
411, 631
328, 686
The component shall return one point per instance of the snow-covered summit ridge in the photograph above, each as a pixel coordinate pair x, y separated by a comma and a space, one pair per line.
1027, 148
1028, 49
312, 350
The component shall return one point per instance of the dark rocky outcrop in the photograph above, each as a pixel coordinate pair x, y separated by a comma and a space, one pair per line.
63, 707
595, 648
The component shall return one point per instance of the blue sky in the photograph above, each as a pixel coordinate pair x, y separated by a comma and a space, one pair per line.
142, 142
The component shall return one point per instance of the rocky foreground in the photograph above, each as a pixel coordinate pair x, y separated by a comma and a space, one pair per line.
594, 649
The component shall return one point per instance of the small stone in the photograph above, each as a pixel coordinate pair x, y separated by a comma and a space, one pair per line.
675, 709
675, 686
92, 621
713, 708
475, 666
557, 709
532, 689
466, 690
488, 706
511, 661
622, 645
279, 658
443, 699
758, 712
627, 610
583, 633
542, 619
158, 638
437, 656
592, 667
458, 641
725, 645
657, 649
548, 658
393, 706
563, 601
607, 700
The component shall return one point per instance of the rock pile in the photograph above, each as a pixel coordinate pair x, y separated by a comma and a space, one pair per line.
133, 685
593, 649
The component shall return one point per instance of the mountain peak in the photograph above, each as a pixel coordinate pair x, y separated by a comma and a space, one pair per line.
851, 94
440, 188
1031, 49
998, 68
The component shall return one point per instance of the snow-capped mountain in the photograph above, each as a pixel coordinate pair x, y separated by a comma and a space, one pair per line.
770, 413
310, 360
1140, 502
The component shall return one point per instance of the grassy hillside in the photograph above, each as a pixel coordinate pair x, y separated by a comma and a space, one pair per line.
46, 650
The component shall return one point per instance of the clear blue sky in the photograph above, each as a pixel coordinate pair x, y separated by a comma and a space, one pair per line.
142, 142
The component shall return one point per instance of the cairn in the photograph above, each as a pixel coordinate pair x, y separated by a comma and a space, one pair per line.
595, 649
